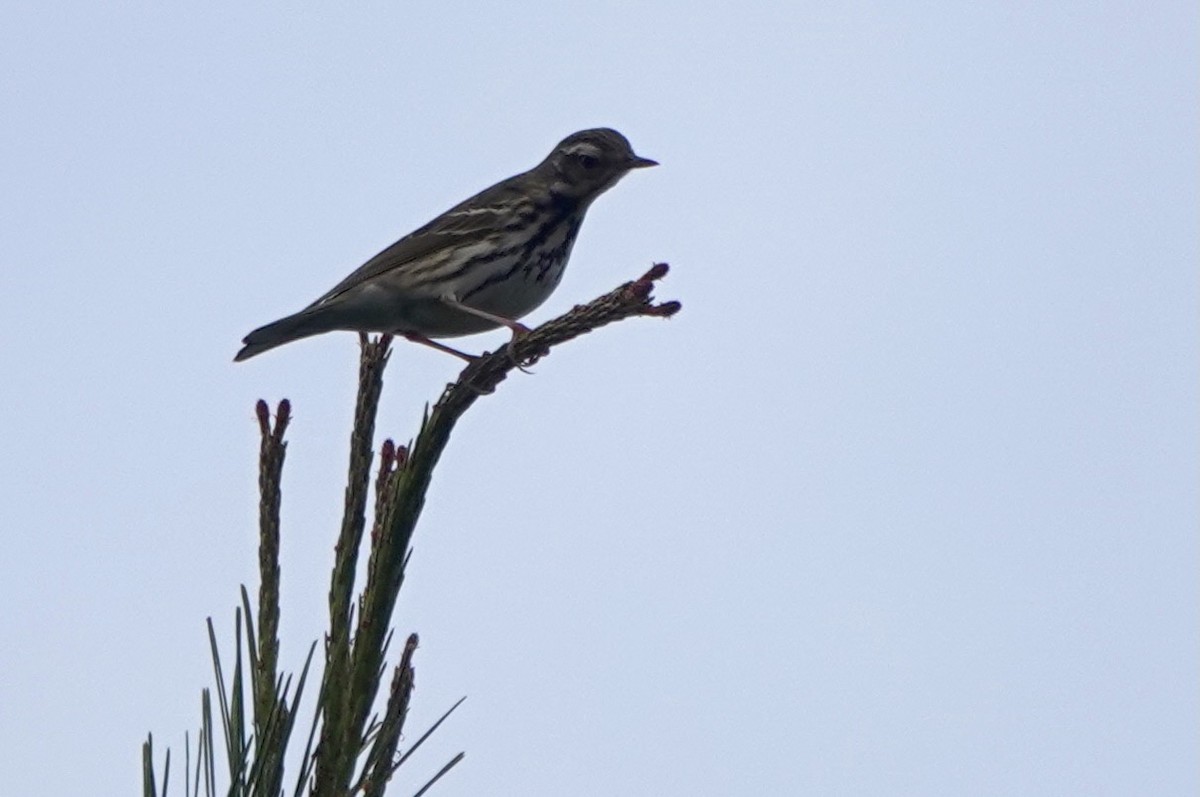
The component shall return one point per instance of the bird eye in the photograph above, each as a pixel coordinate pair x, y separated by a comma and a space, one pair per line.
588, 162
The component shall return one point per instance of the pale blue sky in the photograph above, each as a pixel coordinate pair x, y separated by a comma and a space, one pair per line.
903, 503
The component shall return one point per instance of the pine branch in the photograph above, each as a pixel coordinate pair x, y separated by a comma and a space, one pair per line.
348, 740
479, 378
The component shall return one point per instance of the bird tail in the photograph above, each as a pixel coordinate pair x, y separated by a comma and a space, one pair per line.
301, 325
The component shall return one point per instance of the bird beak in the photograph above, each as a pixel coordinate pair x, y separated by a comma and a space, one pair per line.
638, 162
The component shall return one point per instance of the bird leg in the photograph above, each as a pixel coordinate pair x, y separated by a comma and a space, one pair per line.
516, 326
518, 329
415, 338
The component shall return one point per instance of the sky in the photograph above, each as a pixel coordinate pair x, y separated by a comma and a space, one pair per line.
903, 502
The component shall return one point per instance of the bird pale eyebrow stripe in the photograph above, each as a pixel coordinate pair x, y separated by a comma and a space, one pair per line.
585, 146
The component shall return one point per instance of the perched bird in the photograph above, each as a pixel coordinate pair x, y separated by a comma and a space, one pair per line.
482, 264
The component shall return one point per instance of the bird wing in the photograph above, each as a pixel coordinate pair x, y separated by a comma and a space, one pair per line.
470, 220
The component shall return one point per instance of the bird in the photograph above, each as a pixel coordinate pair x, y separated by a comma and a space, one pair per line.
483, 264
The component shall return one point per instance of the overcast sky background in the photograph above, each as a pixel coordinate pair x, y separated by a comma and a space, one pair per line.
903, 502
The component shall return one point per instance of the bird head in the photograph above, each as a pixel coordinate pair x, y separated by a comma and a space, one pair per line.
588, 163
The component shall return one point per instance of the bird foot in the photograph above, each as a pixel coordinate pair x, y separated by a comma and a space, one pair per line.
523, 365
